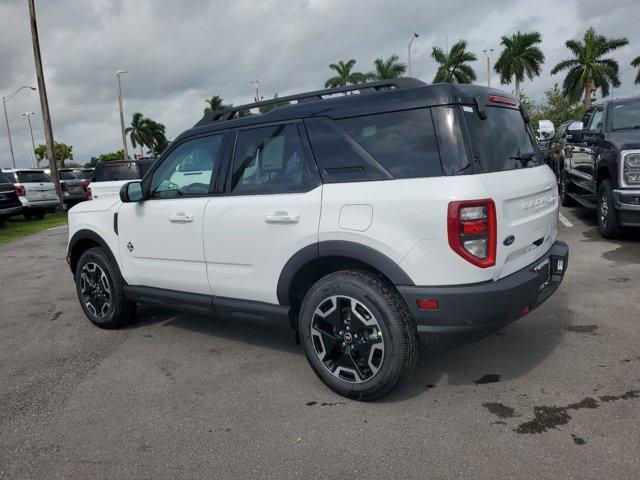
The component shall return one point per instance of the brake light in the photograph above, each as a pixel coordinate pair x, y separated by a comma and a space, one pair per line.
20, 191
471, 226
502, 100
89, 195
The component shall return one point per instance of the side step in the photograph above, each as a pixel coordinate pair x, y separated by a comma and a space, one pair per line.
587, 201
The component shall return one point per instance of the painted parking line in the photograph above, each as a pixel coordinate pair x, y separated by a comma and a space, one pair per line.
565, 221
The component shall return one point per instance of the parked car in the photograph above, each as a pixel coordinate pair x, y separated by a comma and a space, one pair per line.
108, 177
36, 191
553, 149
361, 221
85, 173
601, 166
9, 203
74, 190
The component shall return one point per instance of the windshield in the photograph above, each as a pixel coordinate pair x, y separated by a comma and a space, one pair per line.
502, 141
32, 177
626, 115
115, 172
68, 175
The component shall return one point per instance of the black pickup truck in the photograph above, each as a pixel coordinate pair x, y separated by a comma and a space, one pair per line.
600, 165
9, 203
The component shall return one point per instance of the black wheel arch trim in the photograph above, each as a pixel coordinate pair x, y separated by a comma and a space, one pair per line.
86, 234
338, 248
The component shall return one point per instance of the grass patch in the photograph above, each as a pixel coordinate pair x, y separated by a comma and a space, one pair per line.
18, 227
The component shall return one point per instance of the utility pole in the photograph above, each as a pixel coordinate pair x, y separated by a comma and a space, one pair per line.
125, 150
33, 143
44, 102
415, 35
256, 83
488, 52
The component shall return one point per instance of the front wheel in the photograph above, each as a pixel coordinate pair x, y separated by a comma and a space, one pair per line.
564, 187
608, 225
357, 334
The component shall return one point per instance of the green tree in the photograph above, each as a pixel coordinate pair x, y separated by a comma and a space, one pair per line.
556, 107
520, 57
62, 152
214, 103
145, 132
344, 74
636, 63
454, 66
587, 70
273, 106
105, 157
387, 69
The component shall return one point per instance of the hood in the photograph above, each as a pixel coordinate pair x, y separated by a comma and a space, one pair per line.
99, 205
625, 139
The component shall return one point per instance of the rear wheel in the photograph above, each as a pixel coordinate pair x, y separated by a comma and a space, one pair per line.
565, 187
357, 334
99, 286
608, 224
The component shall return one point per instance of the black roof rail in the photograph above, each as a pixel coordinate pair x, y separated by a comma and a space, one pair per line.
229, 113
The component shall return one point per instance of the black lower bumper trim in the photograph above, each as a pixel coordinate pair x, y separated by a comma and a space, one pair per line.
488, 305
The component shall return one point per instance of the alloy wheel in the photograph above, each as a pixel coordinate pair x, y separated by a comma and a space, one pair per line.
95, 290
604, 209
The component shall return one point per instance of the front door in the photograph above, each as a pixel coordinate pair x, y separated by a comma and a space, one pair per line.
271, 210
160, 238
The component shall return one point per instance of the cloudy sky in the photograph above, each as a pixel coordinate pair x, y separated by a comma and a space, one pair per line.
177, 53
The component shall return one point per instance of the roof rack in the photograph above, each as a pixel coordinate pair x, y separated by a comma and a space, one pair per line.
229, 113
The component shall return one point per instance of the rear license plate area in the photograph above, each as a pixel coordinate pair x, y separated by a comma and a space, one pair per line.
543, 269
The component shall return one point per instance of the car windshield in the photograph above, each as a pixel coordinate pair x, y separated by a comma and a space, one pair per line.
115, 172
502, 141
32, 177
626, 115
68, 175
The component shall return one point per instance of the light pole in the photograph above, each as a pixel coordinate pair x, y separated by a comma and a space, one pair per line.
124, 133
33, 143
488, 52
255, 84
414, 36
6, 118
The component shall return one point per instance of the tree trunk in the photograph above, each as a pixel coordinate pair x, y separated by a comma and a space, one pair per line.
588, 89
517, 88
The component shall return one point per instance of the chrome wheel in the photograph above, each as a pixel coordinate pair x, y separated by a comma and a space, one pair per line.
604, 209
347, 339
95, 290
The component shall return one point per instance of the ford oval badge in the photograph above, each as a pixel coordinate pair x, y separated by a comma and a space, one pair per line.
509, 240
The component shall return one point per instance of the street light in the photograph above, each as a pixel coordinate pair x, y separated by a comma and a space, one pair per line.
255, 84
414, 36
488, 52
124, 134
6, 117
33, 143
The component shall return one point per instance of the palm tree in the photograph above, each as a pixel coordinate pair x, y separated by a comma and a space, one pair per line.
344, 74
520, 57
454, 66
139, 131
157, 139
214, 103
387, 69
588, 71
636, 63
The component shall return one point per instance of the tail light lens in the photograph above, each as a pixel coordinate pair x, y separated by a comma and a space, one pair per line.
20, 191
89, 196
472, 232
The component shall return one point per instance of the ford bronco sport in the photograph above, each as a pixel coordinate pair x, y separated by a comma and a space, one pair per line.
362, 221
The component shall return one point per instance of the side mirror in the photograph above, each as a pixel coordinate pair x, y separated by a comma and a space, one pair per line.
131, 192
574, 136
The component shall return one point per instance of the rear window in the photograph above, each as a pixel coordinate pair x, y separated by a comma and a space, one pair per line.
85, 174
68, 175
502, 141
32, 177
115, 172
4, 178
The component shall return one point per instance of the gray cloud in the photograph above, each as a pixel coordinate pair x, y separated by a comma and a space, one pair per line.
178, 53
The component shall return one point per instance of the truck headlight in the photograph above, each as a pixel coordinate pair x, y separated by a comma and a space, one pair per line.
631, 170
632, 161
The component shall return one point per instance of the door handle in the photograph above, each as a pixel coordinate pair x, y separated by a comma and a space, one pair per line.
181, 218
282, 217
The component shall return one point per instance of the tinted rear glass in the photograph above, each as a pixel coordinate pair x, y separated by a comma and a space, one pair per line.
32, 177
502, 141
86, 174
112, 173
4, 178
404, 143
68, 175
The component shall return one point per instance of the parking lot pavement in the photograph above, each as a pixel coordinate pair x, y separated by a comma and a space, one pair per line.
554, 395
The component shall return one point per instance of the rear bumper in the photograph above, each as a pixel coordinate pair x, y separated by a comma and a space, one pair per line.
40, 204
627, 204
9, 211
488, 305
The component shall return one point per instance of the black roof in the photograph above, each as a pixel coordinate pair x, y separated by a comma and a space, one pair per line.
373, 97
616, 100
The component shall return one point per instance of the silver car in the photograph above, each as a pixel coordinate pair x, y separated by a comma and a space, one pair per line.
36, 191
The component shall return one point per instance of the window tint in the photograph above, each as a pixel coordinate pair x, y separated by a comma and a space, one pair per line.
502, 141
339, 158
115, 171
5, 178
451, 144
32, 177
269, 160
404, 143
626, 115
189, 169
68, 175
595, 125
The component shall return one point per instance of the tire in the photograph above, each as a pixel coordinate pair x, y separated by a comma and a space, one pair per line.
98, 281
608, 224
39, 215
377, 332
565, 187
28, 215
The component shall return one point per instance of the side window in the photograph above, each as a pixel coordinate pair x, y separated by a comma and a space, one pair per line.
587, 116
188, 169
595, 125
269, 160
404, 143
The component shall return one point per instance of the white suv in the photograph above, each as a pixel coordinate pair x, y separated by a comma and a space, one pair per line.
363, 221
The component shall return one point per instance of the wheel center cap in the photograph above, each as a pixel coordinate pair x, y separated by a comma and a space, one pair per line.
348, 337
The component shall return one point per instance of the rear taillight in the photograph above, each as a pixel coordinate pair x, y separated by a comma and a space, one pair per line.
471, 225
20, 191
89, 196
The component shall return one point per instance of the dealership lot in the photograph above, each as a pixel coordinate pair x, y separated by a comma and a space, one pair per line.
554, 395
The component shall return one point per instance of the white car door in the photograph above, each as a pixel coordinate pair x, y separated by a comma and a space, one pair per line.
160, 237
271, 210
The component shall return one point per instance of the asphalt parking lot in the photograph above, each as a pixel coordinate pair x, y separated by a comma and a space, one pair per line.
554, 395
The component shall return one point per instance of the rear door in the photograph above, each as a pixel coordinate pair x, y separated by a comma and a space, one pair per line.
524, 191
271, 210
